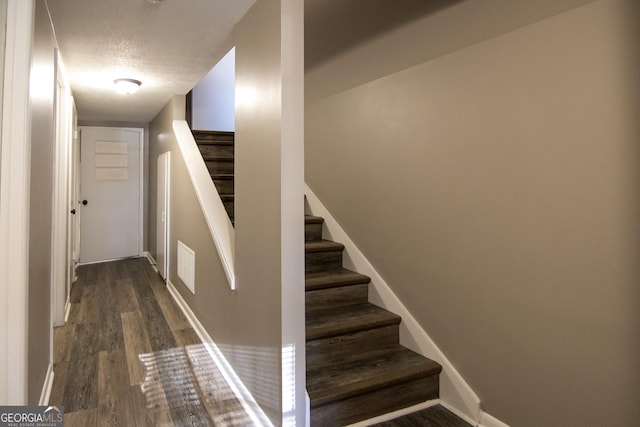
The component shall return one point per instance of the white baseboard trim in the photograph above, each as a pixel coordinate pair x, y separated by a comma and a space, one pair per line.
395, 414
454, 391
67, 309
151, 261
487, 420
149, 257
46, 388
241, 392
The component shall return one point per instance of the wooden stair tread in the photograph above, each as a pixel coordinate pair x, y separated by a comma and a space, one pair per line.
218, 158
227, 197
310, 219
333, 279
222, 176
322, 246
325, 323
367, 372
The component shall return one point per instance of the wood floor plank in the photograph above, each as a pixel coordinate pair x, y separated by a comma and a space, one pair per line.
160, 336
60, 370
187, 337
62, 336
157, 405
89, 305
435, 416
136, 342
74, 312
86, 418
154, 412
221, 403
183, 397
127, 301
114, 407
80, 391
139, 405
110, 337
175, 318
75, 295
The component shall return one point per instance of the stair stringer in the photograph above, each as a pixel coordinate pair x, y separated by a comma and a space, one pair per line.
455, 393
211, 204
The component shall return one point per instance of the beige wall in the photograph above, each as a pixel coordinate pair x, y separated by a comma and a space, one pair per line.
40, 225
269, 214
496, 189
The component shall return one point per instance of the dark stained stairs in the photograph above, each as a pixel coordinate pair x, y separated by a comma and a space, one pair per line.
356, 368
217, 151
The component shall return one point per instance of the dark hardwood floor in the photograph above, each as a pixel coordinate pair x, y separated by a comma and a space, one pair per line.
435, 416
128, 357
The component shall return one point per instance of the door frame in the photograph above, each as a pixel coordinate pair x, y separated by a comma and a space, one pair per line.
141, 194
60, 207
163, 227
15, 148
74, 196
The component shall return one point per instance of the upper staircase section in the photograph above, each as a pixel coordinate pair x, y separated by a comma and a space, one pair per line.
213, 209
217, 149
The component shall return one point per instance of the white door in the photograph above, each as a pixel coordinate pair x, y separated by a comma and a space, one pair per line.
162, 219
74, 196
110, 188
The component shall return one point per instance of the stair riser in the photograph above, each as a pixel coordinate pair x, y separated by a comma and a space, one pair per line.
370, 405
224, 186
312, 232
336, 297
213, 136
216, 150
323, 261
215, 167
321, 352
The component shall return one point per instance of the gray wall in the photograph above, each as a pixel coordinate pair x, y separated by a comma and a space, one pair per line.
495, 188
41, 199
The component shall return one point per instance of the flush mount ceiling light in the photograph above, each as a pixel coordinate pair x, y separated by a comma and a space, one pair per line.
155, 1
127, 86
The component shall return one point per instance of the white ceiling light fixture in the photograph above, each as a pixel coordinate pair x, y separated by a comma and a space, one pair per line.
155, 1
127, 86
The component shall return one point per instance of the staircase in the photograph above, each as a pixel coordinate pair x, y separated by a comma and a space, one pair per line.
356, 368
217, 151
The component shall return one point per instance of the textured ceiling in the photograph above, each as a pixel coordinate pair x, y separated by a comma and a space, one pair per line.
168, 46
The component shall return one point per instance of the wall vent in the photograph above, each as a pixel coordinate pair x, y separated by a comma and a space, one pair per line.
187, 266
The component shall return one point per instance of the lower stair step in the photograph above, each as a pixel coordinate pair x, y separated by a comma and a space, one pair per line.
341, 277
364, 385
323, 255
327, 323
312, 228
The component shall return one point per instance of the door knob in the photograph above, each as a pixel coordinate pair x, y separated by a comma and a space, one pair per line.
85, 202
73, 211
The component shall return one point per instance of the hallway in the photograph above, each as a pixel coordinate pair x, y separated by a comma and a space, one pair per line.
127, 356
